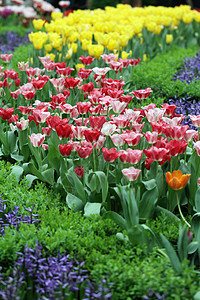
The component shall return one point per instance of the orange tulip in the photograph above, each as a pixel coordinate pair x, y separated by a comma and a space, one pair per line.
177, 180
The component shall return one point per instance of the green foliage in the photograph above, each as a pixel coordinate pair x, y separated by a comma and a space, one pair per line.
158, 73
163, 223
19, 195
94, 241
21, 54
21, 30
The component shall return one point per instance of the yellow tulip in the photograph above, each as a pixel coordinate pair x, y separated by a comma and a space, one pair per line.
38, 43
56, 15
48, 47
57, 43
95, 50
38, 23
52, 55
74, 47
151, 26
124, 40
187, 18
144, 57
125, 54
69, 54
113, 45
73, 37
85, 44
157, 29
78, 66
169, 38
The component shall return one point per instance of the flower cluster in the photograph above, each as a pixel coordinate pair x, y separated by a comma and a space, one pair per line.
50, 278
102, 121
186, 106
9, 40
190, 70
111, 29
13, 218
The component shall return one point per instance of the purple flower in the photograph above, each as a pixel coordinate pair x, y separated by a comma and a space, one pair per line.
50, 278
190, 71
186, 106
6, 12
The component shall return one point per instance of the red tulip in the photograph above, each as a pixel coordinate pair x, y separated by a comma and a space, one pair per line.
110, 154
65, 150
156, 153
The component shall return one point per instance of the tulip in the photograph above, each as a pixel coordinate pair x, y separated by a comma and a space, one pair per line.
37, 139
109, 154
131, 173
197, 147
151, 137
86, 60
142, 94
177, 181
79, 171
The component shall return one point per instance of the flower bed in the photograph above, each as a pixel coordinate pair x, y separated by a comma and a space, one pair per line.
143, 31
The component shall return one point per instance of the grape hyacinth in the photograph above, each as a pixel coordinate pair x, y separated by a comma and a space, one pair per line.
186, 106
35, 277
190, 71
9, 40
152, 295
13, 218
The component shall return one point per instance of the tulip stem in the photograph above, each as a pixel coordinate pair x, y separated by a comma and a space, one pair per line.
179, 208
94, 158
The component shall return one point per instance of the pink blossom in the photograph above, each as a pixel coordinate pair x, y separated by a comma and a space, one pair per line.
107, 58
155, 114
151, 137
131, 173
118, 106
142, 94
117, 140
101, 71
6, 57
197, 147
22, 124
108, 128
195, 120
37, 139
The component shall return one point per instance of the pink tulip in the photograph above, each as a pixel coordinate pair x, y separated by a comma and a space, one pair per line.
37, 139
6, 57
22, 124
142, 94
189, 135
197, 147
118, 106
131, 173
154, 115
117, 140
195, 120
107, 58
151, 137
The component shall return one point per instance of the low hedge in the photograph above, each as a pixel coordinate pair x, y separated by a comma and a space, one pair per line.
158, 73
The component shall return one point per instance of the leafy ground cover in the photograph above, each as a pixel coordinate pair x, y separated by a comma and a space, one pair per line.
90, 240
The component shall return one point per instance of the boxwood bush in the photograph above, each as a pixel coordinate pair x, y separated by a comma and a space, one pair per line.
158, 73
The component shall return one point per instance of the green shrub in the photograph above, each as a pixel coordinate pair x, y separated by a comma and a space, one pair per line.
158, 73
22, 53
